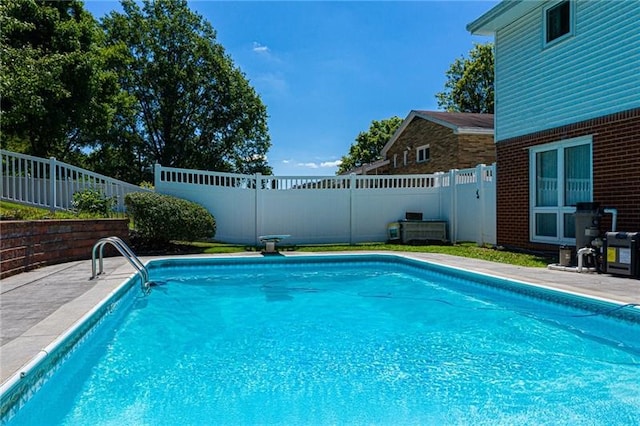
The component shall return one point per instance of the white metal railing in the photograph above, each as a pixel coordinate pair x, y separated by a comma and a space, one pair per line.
51, 183
126, 252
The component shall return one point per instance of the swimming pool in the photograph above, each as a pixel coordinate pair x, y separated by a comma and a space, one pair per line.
342, 339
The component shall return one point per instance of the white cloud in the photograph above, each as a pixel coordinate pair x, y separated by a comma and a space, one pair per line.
331, 163
259, 48
315, 166
308, 165
322, 165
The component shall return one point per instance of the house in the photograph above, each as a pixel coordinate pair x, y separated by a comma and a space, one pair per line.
567, 117
378, 167
436, 141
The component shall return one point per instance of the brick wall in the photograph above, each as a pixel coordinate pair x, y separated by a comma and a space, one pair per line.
616, 175
474, 150
447, 150
26, 245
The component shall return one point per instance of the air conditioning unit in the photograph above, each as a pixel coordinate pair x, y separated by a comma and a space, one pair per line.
423, 231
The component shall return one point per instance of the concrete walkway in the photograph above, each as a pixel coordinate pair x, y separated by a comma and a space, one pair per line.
37, 307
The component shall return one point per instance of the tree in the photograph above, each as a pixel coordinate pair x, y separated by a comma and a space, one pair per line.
368, 145
55, 96
193, 108
469, 86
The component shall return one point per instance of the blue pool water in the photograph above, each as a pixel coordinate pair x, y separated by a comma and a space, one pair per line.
362, 340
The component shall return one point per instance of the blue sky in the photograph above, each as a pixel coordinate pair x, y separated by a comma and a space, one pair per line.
325, 70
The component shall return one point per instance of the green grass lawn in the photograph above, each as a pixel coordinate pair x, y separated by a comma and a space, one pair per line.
463, 249
13, 211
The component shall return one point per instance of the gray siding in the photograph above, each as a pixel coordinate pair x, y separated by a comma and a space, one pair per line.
593, 73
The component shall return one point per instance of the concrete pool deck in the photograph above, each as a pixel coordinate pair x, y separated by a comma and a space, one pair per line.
37, 307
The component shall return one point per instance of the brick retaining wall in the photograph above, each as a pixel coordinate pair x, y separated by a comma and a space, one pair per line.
26, 245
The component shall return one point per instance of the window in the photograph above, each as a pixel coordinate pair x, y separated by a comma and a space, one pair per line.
422, 153
558, 21
406, 157
560, 177
395, 161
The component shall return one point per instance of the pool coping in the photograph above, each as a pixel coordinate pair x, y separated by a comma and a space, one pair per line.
32, 346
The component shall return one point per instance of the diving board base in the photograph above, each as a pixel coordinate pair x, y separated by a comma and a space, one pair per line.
270, 242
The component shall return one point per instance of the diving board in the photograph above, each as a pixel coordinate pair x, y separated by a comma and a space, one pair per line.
270, 242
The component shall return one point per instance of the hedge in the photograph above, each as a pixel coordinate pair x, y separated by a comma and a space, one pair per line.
161, 218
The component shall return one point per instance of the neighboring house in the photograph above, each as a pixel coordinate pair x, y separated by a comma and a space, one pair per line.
436, 141
379, 167
567, 96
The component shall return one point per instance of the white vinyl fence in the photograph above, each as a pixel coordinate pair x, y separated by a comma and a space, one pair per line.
337, 209
51, 183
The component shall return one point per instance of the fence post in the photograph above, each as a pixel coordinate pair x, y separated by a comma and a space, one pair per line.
480, 196
453, 216
157, 171
257, 228
52, 184
352, 203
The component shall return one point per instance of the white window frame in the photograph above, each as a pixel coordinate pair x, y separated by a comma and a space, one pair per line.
395, 161
560, 209
406, 157
569, 34
422, 148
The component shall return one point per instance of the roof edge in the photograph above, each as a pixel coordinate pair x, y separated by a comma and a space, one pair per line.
473, 131
501, 15
398, 132
364, 168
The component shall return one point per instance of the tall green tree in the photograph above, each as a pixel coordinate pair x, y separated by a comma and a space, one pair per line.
193, 108
367, 146
469, 85
55, 96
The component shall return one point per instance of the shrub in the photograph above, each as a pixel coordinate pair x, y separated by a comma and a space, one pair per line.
161, 218
93, 201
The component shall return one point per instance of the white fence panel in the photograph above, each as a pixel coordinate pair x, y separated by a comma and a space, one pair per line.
469, 204
311, 209
335, 209
487, 200
231, 198
310, 216
468, 211
374, 209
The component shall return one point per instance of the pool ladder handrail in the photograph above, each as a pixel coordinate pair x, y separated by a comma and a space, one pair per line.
125, 251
